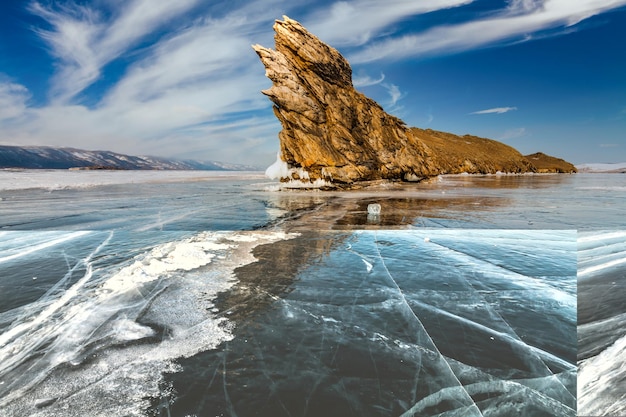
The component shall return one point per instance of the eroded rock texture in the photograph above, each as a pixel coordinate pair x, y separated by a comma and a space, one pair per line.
331, 132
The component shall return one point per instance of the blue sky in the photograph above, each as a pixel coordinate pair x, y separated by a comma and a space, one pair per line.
179, 78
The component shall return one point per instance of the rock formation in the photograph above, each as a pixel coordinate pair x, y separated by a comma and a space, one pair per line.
549, 164
333, 133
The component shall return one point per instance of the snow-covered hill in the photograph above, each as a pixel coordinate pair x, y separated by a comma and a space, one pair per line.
43, 157
603, 168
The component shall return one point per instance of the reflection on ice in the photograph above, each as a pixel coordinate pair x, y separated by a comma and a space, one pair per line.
582, 202
204, 200
408, 323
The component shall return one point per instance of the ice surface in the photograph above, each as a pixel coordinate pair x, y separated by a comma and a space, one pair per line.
600, 380
601, 316
71, 351
279, 169
217, 200
136, 200
63, 179
11, 248
383, 323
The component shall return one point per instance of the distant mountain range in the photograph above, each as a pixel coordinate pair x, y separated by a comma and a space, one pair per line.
618, 168
44, 157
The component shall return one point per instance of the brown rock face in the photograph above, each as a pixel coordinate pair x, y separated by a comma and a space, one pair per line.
549, 164
333, 133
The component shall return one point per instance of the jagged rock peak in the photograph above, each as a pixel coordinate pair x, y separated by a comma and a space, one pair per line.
333, 133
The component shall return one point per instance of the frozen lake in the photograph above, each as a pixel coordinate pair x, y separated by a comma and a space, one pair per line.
205, 200
414, 322
211, 293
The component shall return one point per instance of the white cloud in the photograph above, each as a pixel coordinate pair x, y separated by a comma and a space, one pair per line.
180, 97
366, 80
356, 22
13, 99
84, 40
193, 91
520, 19
524, 6
498, 110
210, 51
513, 133
394, 93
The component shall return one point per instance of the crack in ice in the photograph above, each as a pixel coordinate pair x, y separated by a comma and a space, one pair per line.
460, 386
538, 352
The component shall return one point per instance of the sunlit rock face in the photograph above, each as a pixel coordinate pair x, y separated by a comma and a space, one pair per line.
330, 130
334, 134
549, 164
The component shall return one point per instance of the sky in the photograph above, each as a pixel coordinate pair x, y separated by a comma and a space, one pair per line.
179, 78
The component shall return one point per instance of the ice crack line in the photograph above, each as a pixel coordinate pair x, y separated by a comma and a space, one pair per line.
45, 245
64, 299
407, 306
514, 336
27, 336
537, 283
508, 337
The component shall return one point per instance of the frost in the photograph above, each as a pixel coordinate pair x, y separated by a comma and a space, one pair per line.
278, 169
298, 177
318, 183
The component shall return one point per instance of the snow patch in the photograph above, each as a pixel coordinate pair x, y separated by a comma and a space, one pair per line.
297, 177
278, 169
411, 177
598, 168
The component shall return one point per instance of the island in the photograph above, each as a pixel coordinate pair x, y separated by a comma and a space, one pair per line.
334, 135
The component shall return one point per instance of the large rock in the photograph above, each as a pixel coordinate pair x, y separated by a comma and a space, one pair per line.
549, 164
333, 133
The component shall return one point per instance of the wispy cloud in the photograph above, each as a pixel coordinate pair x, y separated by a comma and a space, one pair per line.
518, 21
85, 39
189, 93
514, 133
394, 93
13, 99
497, 110
190, 87
366, 80
357, 22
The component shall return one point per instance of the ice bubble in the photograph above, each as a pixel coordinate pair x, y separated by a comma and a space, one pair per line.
45, 402
373, 208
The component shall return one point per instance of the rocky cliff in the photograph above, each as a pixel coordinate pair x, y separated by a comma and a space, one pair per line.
333, 133
549, 164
